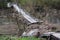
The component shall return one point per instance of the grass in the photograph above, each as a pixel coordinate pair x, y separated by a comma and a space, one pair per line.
25, 38
5, 37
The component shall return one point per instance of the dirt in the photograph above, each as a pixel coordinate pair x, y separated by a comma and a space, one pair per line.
7, 26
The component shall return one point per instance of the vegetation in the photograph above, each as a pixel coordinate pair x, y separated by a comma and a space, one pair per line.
3, 3
6, 37
52, 3
41, 2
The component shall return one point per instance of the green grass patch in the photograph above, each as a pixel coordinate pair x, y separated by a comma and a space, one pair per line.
25, 38
3, 37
